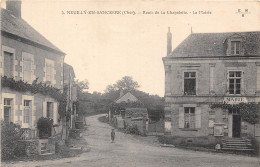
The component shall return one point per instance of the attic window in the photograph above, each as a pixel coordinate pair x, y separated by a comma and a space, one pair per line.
235, 47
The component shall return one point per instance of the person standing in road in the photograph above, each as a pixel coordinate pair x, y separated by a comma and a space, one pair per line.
112, 136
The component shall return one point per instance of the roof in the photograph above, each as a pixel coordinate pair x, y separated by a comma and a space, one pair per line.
214, 44
18, 27
128, 97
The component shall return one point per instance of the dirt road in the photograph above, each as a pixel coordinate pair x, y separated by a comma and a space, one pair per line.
130, 151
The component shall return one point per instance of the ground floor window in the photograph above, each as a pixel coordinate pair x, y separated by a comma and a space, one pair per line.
189, 117
7, 109
27, 111
50, 110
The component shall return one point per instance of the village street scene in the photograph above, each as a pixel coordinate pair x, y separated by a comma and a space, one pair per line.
95, 92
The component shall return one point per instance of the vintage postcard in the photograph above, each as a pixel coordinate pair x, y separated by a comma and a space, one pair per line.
130, 83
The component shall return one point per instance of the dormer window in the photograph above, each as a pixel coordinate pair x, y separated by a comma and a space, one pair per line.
235, 47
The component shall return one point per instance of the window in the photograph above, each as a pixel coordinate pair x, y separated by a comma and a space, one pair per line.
27, 111
189, 83
234, 82
7, 109
49, 110
189, 117
8, 64
49, 66
235, 47
27, 68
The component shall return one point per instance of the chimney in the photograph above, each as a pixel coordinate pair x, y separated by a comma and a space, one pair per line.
169, 42
15, 7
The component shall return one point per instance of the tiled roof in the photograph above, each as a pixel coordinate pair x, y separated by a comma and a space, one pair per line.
19, 27
214, 44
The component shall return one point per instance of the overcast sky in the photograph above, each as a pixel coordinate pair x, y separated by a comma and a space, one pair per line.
104, 48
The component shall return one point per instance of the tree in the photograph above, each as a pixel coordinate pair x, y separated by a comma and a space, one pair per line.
82, 85
126, 84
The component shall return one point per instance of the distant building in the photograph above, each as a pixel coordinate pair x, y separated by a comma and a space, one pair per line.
127, 110
206, 69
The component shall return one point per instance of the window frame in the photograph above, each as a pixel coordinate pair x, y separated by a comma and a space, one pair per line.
49, 65
235, 78
29, 107
9, 106
190, 115
31, 57
191, 71
12, 51
235, 47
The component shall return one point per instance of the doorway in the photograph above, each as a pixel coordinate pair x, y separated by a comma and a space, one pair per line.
236, 130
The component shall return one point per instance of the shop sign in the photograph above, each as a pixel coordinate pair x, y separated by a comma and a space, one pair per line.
235, 100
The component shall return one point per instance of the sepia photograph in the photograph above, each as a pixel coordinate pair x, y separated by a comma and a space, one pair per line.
130, 83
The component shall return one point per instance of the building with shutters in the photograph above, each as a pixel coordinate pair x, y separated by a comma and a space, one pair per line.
28, 56
210, 68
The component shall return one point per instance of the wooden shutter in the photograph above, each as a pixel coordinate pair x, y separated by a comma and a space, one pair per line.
44, 109
198, 118
55, 111
181, 117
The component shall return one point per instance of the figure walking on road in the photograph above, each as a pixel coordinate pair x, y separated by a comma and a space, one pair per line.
112, 136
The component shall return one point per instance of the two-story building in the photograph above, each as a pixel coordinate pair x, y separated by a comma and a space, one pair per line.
207, 69
27, 56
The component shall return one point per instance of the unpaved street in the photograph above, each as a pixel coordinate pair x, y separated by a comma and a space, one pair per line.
137, 151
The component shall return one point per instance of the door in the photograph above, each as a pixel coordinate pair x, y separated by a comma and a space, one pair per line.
236, 125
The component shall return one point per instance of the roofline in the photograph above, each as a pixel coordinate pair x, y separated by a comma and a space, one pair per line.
224, 32
30, 42
214, 57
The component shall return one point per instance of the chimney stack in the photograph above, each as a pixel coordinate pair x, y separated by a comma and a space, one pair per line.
15, 7
169, 42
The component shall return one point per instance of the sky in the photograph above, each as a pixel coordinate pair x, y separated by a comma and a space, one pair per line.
103, 48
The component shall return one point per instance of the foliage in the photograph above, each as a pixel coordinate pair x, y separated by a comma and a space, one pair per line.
82, 85
34, 88
44, 126
10, 134
132, 129
40, 88
249, 111
126, 83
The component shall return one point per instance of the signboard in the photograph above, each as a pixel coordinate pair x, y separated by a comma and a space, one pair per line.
235, 100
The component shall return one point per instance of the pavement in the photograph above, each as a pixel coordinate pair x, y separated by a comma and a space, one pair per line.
132, 151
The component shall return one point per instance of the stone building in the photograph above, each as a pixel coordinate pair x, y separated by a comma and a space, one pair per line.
206, 69
27, 56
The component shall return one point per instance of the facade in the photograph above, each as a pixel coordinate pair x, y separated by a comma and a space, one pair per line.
27, 56
70, 88
206, 69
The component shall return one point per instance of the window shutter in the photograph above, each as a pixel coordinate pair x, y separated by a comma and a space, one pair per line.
44, 109
181, 117
198, 118
55, 111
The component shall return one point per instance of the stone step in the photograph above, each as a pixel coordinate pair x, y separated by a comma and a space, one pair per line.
47, 153
239, 149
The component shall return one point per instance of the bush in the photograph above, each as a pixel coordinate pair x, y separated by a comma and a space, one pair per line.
10, 134
44, 126
132, 129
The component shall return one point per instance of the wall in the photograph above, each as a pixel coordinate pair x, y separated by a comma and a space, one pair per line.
37, 107
211, 87
39, 59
